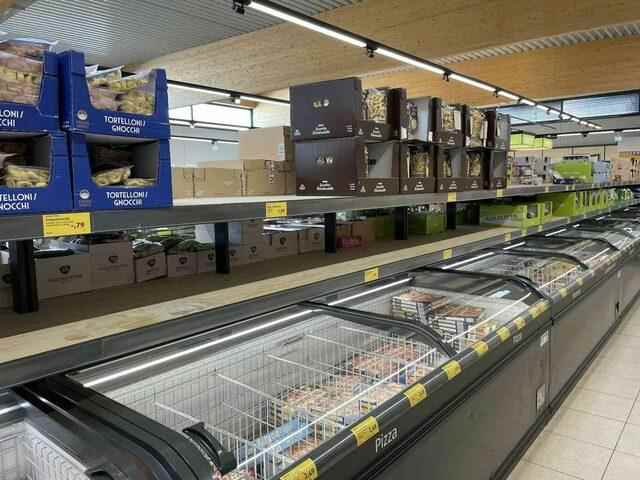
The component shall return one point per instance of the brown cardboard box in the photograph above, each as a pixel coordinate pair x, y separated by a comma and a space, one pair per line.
311, 239
111, 263
182, 182
182, 264
58, 276
280, 242
217, 182
206, 261
243, 233
148, 268
290, 183
272, 143
364, 230
6, 294
246, 254
263, 182
343, 229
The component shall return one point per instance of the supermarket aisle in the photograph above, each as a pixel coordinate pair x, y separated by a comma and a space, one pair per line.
596, 433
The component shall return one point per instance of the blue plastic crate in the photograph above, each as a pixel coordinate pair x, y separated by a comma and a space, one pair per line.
56, 197
79, 115
41, 117
87, 195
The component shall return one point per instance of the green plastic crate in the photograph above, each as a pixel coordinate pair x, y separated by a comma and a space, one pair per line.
426, 223
520, 215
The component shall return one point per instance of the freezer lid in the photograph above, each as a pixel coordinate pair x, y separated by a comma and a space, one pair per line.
617, 239
632, 228
589, 252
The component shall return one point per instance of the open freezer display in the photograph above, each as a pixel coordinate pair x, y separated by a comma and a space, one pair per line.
589, 252
618, 239
547, 273
631, 227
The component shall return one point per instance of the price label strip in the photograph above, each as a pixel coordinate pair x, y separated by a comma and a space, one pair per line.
307, 470
66, 224
276, 209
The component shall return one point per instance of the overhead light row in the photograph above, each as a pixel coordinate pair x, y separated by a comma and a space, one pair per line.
212, 141
234, 96
209, 125
270, 8
599, 132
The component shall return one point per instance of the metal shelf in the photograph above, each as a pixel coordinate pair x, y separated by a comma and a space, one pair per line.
216, 210
101, 349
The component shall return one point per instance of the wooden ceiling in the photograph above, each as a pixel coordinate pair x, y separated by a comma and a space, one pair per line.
284, 55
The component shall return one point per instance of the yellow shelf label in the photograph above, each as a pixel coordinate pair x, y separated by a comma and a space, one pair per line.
523, 232
507, 237
276, 209
447, 254
540, 228
546, 189
580, 281
480, 347
365, 430
65, 224
537, 310
499, 193
452, 197
563, 292
372, 274
504, 333
416, 394
307, 470
520, 323
452, 369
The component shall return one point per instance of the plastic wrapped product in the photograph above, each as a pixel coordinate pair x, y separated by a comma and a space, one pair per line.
102, 78
115, 176
375, 104
474, 164
145, 248
105, 157
90, 70
20, 79
104, 99
448, 117
191, 246
27, 47
476, 127
139, 182
18, 176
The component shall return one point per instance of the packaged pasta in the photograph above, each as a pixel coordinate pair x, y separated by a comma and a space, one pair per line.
139, 182
19, 176
115, 176
27, 47
102, 78
375, 104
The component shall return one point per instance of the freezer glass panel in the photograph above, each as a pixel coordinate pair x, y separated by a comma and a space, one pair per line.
617, 239
590, 252
633, 228
274, 397
549, 274
461, 308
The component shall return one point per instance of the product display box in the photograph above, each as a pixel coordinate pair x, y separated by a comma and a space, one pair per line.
241, 233
427, 222
6, 293
383, 226
41, 115
217, 182
181, 264
451, 169
573, 171
446, 124
92, 109
419, 118
510, 214
151, 267
206, 261
474, 168
111, 263
246, 254
341, 108
99, 184
417, 168
364, 230
37, 178
498, 130
347, 166
474, 127
310, 237
264, 177
494, 169
63, 275
566, 204
280, 242
273, 143
183, 182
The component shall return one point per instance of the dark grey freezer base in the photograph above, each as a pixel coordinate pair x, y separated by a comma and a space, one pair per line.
630, 281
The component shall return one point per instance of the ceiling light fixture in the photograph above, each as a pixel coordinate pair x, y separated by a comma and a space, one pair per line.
182, 123
569, 135
410, 61
602, 132
271, 101
191, 139
564, 116
508, 95
472, 82
577, 120
543, 107
528, 102
630, 130
218, 126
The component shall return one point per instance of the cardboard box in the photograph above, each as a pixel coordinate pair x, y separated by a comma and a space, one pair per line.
243, 233
6, 294
419, 118
417, 168
148, 268
446, 123
206, 261
494, 169
311, 239
382, 174
363, 230
246, 254
383, 226
427, 223
343, 229
217, 182
498, 130
182, 264
111, 263
474, 127
272, 144
507, 214
474, 168
58, 276
290, 180
280, 242
450, 166
266, 181
182, 181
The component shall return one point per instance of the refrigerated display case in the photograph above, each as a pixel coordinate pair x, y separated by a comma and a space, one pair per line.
620, 240
631, 227
591, 253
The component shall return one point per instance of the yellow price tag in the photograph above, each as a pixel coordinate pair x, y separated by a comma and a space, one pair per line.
307, 470
507, 237
65, 224
524, 232
371, 275
452, 197
452, 369
563, 292
499, 193
520, 323
580, 281
416, 394
276, 209
480, 347
546, 189
540, 228
365, 430
504, 333
447, 254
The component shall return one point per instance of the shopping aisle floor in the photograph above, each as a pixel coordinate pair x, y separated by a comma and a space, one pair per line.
596, 433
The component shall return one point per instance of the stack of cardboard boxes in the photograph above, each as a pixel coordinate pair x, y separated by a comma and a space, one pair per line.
626, 168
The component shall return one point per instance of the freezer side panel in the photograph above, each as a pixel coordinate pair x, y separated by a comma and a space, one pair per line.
478, 437
577, 331
630, 281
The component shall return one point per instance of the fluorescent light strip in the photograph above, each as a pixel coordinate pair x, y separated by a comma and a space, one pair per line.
543, 107
472, 82
282, 103
198, 89
569, 135
602, 132
410, 61
574, 119
310, 25
630, 130
227, 142
217, 126
369, 292
564, 116
189, 351
463, 262
528, 102
13, 408
508, 95
191, 139
182, 123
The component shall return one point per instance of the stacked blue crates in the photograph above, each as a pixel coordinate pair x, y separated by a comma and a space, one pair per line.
148, 136
37, 128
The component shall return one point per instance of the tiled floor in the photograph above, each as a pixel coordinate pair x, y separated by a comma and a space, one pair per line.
596, 433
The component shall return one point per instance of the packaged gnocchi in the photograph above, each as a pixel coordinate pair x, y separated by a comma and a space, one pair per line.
20, 79
102, 78
32, 48
19, 176
139, 182
114, 176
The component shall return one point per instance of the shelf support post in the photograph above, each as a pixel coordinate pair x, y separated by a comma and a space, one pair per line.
330, 233
401, 216
451, 215
223, 258
23, 276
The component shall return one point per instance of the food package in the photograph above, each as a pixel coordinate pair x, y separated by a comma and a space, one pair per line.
146, 248
20, 79
474, 164
375, 104
192, 246
115, 176
139, 182
103, 98
109, 90
449, 113
477, 127
27, 47
19, 176
419, 164
102, 78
